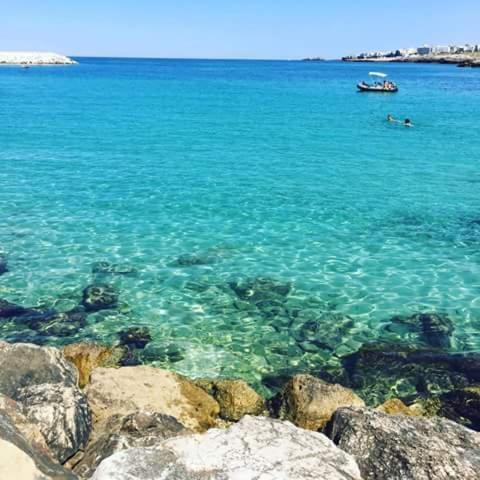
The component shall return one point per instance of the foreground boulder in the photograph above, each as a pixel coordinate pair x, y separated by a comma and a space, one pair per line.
254, 448
130, 389
309, 402
398, 447
45, 386
19, 459
140, 429
235, 397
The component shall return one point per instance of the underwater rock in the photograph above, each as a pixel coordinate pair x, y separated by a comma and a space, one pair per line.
235, 397
45, 386
462, 406
382, 370
125, 390
55, 324
162, 353
11, 310
309, 402
135, 337
194, 259
99, 297
398, 447
139, 429
21, 458
3, 265
254, 448
435, 329
113, 268
261, 289
88, 356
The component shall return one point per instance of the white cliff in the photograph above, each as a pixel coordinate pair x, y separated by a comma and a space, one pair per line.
34, 58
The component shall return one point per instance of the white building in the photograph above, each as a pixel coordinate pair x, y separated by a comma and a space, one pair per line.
441, 49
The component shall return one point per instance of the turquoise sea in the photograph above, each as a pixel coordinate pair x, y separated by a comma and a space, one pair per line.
256, 216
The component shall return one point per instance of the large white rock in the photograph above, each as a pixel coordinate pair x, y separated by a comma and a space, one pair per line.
34, 58
256, 448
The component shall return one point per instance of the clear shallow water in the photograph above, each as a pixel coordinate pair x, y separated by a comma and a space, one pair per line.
277, 170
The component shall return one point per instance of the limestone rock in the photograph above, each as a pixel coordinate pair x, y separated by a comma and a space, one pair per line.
129, 389
88, 356
235, 397
309, 402
397, 447
254, 448
19, 460
395, 406
45, 386
139, 429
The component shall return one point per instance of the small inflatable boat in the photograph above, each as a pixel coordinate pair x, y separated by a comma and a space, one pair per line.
365, 87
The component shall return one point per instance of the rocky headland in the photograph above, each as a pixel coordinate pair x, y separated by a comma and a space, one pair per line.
34, 58
76, 414
462, 60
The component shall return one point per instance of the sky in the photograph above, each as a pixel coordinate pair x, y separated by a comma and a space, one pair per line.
264, 29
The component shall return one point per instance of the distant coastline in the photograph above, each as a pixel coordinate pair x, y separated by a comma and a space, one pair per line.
34, 58
461, 60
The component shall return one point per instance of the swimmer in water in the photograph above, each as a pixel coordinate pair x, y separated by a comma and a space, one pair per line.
390, 118
408, 123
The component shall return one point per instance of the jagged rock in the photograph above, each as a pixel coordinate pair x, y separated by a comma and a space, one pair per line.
254, 448
135, 337
3, 264
395, 406
462, 406
397, 447
19, 457
88, 356
435, 329
99, 297
380, 370
129, 389
235, 397
309, 402
139, 429
45, 386
261, 289
113, 268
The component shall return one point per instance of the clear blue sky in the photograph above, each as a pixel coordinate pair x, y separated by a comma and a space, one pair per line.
233, 29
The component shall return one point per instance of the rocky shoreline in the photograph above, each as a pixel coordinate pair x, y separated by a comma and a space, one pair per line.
34, 58
76, 414
460, 60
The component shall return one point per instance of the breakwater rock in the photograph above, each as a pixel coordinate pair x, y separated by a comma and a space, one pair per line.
143, 422
34, 58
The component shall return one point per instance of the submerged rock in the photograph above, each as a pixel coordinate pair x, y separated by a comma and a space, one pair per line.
381, 371
252, 449
45, 386
309, 402
162, 353
139, 429
261, 289
135, 337
3, 264
194, 259
20, 459
462, 406
435, 329
235, 397
11, 310
129, 389
88, 356
113, 268
398, 447
52, 323
99, 297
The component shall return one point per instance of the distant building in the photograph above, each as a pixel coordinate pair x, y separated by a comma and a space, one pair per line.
425, 50
441, 49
